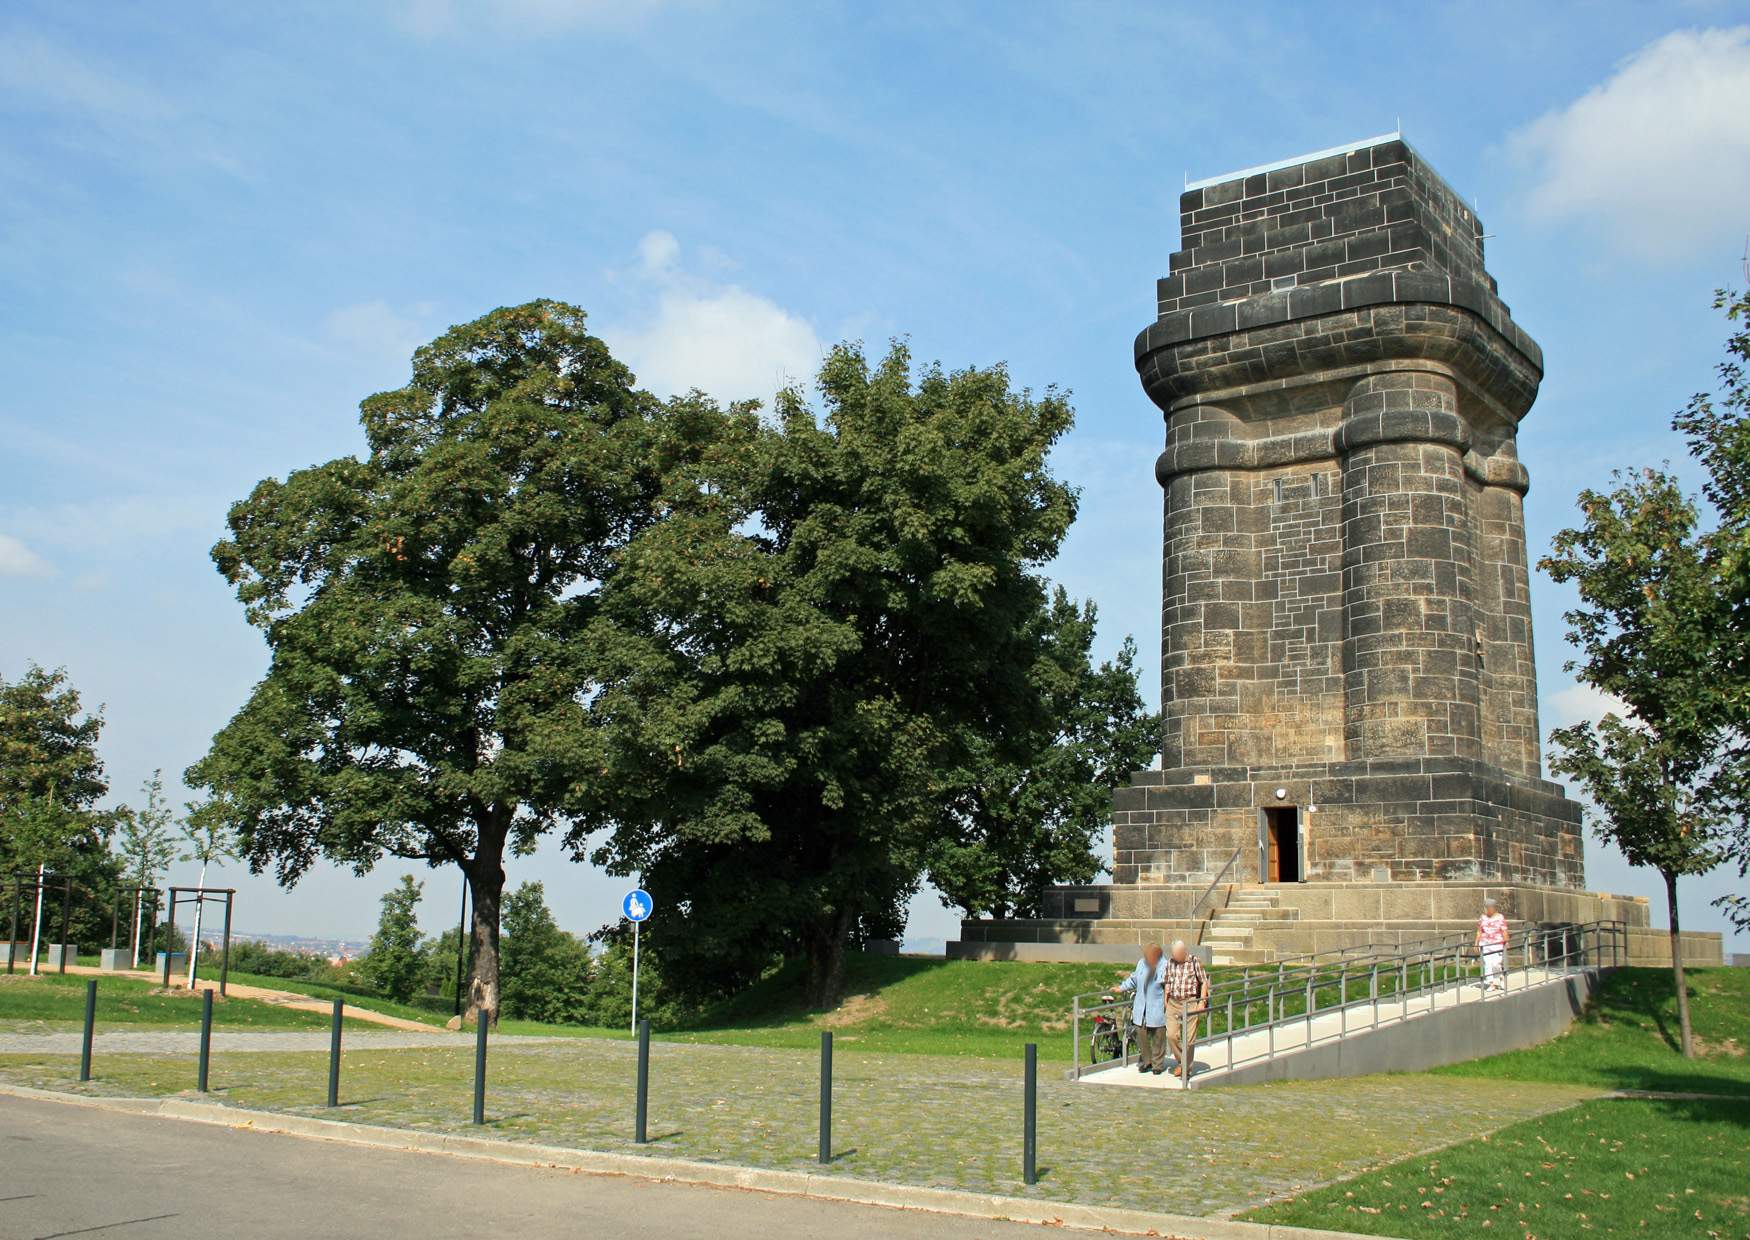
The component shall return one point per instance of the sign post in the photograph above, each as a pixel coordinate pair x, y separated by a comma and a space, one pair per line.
637, 907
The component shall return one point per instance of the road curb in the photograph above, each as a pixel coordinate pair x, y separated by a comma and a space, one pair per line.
669, 1170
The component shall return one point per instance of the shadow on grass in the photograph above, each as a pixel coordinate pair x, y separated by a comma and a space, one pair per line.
777, 999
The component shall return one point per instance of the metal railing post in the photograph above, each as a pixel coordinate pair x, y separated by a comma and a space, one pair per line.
206, 1039
642, 1113
1076, 1045
334, 1055
169, 938
482, 1020
1030, 1115
90, 1023
66, 916
825, 1155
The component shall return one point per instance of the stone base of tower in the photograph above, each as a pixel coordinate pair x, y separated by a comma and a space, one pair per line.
1254, 923
1404, 820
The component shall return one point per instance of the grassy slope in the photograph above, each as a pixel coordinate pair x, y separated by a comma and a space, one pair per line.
917, 1005
1628, 1038
54, 1003
901, 1004
1658, 1167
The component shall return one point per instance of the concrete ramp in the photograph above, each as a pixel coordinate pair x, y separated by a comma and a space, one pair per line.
1421, 1032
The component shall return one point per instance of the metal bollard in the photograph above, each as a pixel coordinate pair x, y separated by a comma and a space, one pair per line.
825, 1155
639, 1129
334, 1056
1030, 1117
481, 1020
206, 1038
90, 1023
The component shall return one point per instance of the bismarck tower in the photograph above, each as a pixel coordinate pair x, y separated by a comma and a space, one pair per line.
1347, 671
1351, 742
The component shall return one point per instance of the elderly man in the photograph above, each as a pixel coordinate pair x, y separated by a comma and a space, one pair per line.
1148, 1011
1187, 987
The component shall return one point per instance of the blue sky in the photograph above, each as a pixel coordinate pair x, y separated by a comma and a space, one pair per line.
222, 226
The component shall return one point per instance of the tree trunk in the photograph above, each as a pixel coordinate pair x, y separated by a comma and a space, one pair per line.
827, 941
486, 889
1677, 965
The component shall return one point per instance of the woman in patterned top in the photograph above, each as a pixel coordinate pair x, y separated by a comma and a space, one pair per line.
1492, 946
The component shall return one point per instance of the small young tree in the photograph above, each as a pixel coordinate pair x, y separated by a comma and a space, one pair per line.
146, 846
1649, 622
211, 842
392, 964
545, 971
1717, 426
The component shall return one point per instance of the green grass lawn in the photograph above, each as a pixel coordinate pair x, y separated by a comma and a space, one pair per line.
1628, 1038
917, 1005
1653, 1166
54, 1003
1613, 1166
900, 1004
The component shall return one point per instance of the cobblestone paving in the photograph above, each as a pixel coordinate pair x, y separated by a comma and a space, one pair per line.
953, 1123
187, 1041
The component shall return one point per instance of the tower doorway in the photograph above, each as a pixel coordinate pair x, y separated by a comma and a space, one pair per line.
1279, 844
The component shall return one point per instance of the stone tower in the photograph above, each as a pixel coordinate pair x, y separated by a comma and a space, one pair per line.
1347, 673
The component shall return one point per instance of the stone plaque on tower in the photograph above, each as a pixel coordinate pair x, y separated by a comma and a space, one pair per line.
1348, 683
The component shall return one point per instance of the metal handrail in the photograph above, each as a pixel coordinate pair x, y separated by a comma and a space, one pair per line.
1297, 991
1213, 884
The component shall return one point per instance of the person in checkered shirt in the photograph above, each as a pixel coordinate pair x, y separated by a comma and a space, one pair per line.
1187, 986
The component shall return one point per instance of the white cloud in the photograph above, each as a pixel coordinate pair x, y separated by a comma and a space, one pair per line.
720, 338
1657, 157
18, 560
1580, 704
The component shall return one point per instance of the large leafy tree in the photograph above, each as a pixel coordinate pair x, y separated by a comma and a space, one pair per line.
1647, 628
814, 653
424, 605
1036, 802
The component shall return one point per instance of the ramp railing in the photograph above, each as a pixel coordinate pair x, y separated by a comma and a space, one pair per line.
1308, 1000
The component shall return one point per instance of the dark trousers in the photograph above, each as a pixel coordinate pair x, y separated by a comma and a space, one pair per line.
1151, 1046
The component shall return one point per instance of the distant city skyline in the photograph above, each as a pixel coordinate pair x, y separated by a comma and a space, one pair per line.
222, 227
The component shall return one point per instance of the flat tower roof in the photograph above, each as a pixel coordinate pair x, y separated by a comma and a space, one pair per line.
1395, 136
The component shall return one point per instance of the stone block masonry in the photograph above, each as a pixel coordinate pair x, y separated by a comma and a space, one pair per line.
1347, 669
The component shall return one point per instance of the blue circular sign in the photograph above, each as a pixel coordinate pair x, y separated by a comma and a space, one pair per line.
637, 905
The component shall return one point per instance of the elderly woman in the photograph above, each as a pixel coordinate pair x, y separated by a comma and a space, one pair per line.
1148, 1012
1492, 947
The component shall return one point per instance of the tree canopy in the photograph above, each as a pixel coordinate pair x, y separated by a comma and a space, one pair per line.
424, 605
51, 778
837, 632
1647, 624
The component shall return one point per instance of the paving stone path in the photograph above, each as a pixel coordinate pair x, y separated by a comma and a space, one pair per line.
187, 1041
953, 1123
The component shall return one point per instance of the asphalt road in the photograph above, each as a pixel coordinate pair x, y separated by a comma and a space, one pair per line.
78, 1171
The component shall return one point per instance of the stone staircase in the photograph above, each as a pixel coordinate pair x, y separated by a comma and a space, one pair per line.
1229, 933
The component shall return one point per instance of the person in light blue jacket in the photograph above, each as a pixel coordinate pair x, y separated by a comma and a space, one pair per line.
1148, 982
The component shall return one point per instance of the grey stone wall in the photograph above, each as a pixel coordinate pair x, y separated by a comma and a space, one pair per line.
1345, 592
